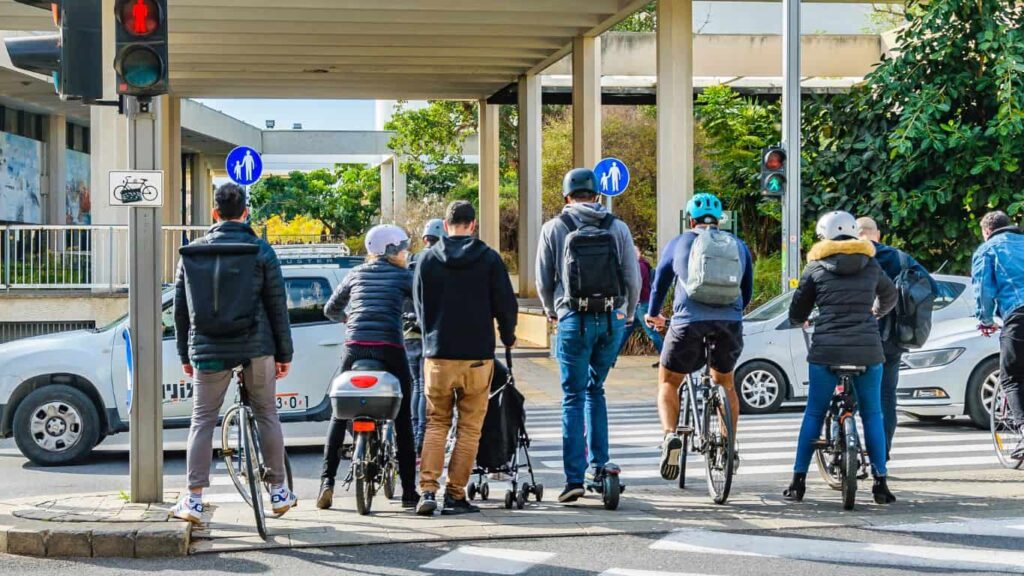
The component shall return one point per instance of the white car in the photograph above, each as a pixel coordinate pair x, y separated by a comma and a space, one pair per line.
953, 374
62, 394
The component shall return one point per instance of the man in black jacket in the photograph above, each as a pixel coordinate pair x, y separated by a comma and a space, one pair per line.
231, 278
460, 288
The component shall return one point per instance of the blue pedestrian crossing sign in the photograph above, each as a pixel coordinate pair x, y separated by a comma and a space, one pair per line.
244, 166
612, 176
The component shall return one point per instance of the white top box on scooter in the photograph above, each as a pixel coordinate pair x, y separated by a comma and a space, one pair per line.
366, 394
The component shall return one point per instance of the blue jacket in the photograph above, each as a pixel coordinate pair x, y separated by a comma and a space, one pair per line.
997, 272
674, 264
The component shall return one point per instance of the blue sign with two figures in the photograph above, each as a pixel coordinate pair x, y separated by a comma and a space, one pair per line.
244, 166
612, 176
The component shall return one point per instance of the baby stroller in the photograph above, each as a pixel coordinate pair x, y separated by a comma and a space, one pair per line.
503, 441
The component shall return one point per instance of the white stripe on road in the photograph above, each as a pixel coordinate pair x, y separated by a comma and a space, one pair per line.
480, 560
229, 498
656, 431
1003, 527
221, 481
946, 558
629, 572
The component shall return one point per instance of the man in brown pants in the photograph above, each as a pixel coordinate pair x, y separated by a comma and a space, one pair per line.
460, 289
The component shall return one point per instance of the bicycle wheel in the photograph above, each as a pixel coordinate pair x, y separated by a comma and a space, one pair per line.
390, 467
149, 192
719, 459
851, 453
1005, 436
252, 471
825, 457
118, 192
233, 452
363, 473
687, 423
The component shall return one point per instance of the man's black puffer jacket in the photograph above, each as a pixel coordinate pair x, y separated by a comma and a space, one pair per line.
271, 334
842, 279
373, 294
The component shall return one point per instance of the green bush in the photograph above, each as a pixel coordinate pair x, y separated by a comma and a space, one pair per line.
767, 279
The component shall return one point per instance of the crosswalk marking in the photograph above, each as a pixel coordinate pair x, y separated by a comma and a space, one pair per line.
842, 552
1001, 527
631, 572
479, 560
223, 498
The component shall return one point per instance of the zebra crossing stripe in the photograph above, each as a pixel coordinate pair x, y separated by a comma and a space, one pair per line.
631, 572
946, 558
479, 560
999, 527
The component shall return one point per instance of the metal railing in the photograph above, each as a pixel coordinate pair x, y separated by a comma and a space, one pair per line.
35, 257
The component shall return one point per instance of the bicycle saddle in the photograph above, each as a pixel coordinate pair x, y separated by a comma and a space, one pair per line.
854, 370
369, 365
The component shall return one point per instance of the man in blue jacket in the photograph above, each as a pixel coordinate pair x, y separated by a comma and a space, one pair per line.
693, 322
997, 272
890, 259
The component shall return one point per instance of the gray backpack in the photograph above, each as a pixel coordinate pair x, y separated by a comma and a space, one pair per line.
714, 270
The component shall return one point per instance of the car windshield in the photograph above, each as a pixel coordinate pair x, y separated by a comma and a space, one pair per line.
771, 309
114, 324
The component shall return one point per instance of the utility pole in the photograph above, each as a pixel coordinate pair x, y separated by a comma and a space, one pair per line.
146, 460
791, 202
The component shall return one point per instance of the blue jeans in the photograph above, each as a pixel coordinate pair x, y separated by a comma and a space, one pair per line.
890, 381
587, 348
638, 321
418, 402
869, 403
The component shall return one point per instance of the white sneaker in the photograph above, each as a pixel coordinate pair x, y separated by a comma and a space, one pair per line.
189, 508
282, 500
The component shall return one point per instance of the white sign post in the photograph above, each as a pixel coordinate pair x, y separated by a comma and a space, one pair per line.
137, 188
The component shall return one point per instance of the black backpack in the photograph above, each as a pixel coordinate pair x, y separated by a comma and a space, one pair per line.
591, 269
220, 284
912, 318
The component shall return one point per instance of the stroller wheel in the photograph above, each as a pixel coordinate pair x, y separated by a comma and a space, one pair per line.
521, 499
538, 492
508, 499
525, 491
471, 491
485, 491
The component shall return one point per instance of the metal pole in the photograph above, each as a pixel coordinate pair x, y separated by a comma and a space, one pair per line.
791, 143
146, 459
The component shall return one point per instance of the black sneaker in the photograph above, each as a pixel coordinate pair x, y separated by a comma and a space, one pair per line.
572, 493
411, 500
670, 448
326, 497
427, 504
453, 507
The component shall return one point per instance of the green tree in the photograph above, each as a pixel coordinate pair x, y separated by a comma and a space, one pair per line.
935, 136
643, 20
345, 199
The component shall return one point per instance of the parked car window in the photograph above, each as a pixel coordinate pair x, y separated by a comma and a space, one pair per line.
947, 293
771, 309
306, 299
167, 318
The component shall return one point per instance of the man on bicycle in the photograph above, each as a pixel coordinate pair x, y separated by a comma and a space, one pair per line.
230, 310
997, 271
715, 275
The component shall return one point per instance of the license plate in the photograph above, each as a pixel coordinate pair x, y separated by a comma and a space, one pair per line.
292, 401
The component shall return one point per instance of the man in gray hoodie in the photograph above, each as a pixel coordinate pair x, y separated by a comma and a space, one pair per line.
590, 326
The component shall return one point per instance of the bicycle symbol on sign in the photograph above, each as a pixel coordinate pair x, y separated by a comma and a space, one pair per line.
135, 190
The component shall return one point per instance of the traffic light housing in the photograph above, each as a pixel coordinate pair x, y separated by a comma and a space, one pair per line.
141, 47
773, 171
73, 57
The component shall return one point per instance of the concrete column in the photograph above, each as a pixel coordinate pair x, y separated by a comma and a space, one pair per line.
387, 191
675, 115
169, 155
202, 191
586, 101
55, 186
487, 219
400, 193
530, 183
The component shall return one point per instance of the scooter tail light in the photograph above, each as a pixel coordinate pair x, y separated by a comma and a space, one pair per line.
364, 426
364, 381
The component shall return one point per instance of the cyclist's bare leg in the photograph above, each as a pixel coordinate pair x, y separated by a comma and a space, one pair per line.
668, 398
726, 380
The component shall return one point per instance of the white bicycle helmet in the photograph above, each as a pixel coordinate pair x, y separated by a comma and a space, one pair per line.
835, 225
435, 228
386, 240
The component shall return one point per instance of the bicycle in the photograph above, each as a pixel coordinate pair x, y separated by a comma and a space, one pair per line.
134, 191
1005, 433
374, 462
839, 456
242, 452
706, 415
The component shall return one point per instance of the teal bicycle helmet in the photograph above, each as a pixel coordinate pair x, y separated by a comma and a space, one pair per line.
704, 205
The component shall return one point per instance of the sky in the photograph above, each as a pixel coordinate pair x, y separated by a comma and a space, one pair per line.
708, 18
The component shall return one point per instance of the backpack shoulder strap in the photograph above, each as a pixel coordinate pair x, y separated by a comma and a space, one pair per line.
607, 221
569, 222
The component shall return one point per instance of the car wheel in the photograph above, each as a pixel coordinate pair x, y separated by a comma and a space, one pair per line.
981, 390
761, 388
56, 425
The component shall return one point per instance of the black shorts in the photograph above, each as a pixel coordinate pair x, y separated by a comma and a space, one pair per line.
683, 352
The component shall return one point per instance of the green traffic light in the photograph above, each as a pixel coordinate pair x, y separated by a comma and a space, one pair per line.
775, 184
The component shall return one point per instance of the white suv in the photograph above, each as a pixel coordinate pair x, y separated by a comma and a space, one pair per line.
62, 394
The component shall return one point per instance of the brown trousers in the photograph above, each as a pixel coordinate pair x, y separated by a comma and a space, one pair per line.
465, 384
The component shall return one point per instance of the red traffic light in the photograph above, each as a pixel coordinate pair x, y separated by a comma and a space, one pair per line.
775, 159
139, 17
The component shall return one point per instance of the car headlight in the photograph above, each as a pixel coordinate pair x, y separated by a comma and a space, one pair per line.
929, 358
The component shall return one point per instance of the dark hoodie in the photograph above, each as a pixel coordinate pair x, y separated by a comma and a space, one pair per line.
842, 279
460, 288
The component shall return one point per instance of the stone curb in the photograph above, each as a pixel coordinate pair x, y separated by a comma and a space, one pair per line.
78, 540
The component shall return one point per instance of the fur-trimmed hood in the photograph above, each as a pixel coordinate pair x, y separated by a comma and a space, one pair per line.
842, 257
